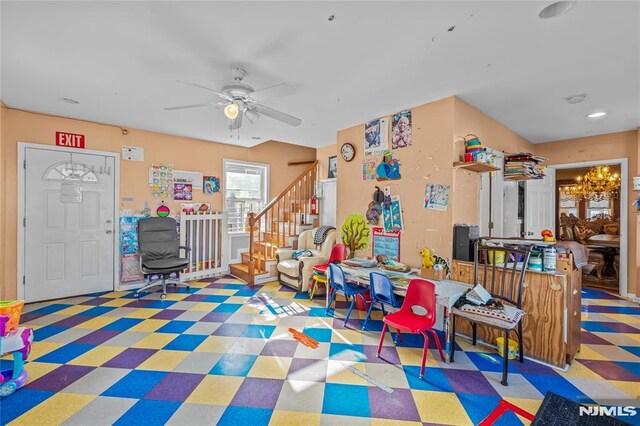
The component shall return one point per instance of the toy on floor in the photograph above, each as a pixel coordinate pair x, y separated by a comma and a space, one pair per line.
304, 339
13, 340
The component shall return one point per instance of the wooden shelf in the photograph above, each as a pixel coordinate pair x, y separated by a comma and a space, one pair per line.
475, 166
519, 178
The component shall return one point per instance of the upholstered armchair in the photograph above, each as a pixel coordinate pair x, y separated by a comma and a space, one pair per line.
297, 273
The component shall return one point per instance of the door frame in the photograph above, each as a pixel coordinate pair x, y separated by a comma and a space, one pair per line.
624, 213
22, 149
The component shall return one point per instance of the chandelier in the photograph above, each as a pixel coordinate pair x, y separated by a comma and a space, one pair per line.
598, 184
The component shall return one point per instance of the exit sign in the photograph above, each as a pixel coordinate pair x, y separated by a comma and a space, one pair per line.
69, 140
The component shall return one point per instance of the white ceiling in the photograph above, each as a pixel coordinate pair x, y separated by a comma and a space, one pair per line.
121, 60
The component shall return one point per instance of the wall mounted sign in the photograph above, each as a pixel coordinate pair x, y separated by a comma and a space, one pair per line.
69, 140
386, 243
133, 153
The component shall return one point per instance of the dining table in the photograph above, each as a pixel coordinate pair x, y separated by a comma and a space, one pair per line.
447, 291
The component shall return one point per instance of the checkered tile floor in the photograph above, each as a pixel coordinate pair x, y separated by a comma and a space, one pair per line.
222, 353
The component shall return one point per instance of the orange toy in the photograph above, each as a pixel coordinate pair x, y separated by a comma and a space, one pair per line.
547, 235
12, 309
304, 339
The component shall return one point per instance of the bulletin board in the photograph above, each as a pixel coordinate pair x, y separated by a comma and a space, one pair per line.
386, 243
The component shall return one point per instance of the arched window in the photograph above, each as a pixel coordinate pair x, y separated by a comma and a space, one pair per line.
65, 170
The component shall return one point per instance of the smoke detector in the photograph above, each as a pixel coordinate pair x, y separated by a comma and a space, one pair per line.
576, 99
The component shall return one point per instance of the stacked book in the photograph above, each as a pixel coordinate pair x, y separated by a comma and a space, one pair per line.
523, 165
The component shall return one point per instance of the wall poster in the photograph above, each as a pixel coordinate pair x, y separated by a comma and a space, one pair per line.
401, 136
392, 215
436, 197
369, 169
386, 243
376, 136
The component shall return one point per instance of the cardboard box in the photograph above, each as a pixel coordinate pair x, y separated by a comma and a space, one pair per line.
433, 274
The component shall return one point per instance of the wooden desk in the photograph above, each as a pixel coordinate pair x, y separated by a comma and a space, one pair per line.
605, 240
551, 326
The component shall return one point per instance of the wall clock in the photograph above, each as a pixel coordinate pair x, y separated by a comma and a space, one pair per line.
347, 151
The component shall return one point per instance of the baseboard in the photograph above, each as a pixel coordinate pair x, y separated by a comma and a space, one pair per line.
632, 297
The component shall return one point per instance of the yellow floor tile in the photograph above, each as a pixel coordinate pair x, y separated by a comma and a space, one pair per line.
251, 309
177, 296
144, 313
97, 356
149, 325
270, 367
204, 306
216, 344
236, 300
54, 410
215, 390
225, 292
529, 405
74, 310
413, 356
440, 407
155, 341
116, 294
587, 353
96, 323
117, 302
163, 360
39, 349
387, 422
631, 388
39, 369
347, 336
281, 417
625, 318
339, 372
578, 370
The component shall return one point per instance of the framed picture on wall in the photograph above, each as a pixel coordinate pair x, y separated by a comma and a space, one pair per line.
333, 167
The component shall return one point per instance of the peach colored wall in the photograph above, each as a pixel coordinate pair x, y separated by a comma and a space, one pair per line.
603, 147
3, 127
492, 134
322, 155
427, 161
183, 153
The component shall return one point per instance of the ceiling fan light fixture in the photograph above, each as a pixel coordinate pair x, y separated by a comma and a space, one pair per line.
232, 110
251, 115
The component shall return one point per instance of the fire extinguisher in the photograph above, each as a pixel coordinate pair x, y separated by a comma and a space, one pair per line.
314, 205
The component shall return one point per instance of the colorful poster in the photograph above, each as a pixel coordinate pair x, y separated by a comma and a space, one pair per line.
161, 180
392, 215
401, 130
211, 184
386, 243
376, 136
182, 191
436, 197
369, 169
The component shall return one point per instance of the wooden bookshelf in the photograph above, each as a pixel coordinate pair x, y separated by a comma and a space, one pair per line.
475, 166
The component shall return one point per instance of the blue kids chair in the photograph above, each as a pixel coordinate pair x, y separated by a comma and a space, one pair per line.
339, 283
381, 292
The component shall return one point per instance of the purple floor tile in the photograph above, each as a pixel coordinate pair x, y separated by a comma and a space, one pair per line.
96, 301
280, 348
24, 318
231, 330
588, 338
470, 382
168, 314
308, 369
388, 355
258, 393
139, 303
398, 405
217, 285
195, 298
70, 322
216, 316
530, 367
98, 337
621, 327
610, 370
175, 387
60, 378
130, 358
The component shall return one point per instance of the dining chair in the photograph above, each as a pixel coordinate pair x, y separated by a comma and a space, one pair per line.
417, 315
381, 291
507, 291
338, 283
338, 254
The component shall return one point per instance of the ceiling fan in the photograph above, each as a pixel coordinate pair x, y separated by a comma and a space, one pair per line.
239, 99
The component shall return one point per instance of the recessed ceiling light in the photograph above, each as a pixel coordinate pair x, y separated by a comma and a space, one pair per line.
598, 114
556, 9
576, 99
69, 101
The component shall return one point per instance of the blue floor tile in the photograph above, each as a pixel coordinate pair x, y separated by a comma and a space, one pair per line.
214, 298
346, 352
149, 413
558, 385
175, 326
346, 400
50, 309
233, 365
236, 416
259, 331
185, 342
21, 401
46, 332
65, 353
634, 367
135, 384
317, 312
122, 324
228, 307
97, 311
434, 379
319, 334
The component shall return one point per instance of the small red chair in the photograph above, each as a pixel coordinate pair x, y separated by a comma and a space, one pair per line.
417, 315
338, 254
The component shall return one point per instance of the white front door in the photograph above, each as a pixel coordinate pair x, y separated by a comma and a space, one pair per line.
69, 239
328, 194
540, 204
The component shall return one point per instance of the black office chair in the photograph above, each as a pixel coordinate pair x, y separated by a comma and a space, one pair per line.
160, 252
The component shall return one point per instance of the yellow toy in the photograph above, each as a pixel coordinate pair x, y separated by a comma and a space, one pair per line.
427, 258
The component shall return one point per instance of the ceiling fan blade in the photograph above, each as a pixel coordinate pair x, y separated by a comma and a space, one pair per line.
215, 92
276, 91
277, 115
173, 108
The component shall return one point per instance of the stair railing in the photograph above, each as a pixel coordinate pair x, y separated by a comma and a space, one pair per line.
280, 218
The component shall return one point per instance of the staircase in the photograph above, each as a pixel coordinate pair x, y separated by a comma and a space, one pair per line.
277, 226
